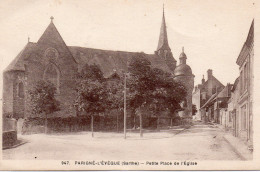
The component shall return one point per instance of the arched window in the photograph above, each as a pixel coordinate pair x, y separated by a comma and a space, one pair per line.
21, 90
52, 74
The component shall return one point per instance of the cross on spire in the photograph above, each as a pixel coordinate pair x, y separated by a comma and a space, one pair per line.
183, 49
52, 18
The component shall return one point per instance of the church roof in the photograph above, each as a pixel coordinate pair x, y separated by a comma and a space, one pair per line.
18, 63
182, 69
163, 38
109, 60
183, 55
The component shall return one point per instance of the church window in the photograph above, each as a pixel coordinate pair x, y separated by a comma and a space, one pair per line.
51, 54
52, 74
21, 90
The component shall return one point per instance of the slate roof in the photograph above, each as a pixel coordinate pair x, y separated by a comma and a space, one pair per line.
235, 84
209, 100
109, 60
163, 38
205, 85
18, 63
246, 46
225, 92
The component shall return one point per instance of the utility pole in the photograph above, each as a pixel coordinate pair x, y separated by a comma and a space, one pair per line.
125, 108
125, 115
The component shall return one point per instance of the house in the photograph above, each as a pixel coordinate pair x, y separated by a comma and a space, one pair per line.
204, 92
233, 107
245, 62
223, 97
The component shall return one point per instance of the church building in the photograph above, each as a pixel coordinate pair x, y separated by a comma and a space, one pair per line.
51, 59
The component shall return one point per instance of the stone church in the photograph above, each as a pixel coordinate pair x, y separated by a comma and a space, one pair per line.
51, 59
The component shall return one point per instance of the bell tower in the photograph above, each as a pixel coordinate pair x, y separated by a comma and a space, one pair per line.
163, 48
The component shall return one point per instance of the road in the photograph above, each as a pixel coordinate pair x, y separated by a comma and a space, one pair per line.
199, 142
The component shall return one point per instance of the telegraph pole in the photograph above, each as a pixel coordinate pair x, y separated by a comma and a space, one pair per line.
125, 115
125, 107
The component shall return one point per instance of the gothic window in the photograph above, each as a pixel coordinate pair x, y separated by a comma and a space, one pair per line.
52, 74
21, 90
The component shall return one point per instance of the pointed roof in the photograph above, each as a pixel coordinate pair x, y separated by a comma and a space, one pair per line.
52, 34
163, 39
18, 63
183, 55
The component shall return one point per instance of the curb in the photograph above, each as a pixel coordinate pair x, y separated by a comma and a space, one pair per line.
235, 150
232, 146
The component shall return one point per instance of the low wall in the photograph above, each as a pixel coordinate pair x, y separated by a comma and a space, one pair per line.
9, 138
9, 124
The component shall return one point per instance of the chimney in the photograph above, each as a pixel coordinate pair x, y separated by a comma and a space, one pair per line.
203, 80
210, 74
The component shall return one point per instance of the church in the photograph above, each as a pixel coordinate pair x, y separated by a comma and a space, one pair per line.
51, 59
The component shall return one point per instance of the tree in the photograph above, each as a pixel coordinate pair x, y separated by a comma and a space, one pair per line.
194, 109
115, 88
167, 95
43, 99
92, 94
140, 84
153, 89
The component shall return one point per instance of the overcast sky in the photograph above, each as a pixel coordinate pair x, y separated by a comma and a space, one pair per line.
212, 32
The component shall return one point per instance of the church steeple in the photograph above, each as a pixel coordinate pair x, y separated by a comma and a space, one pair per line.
163, 39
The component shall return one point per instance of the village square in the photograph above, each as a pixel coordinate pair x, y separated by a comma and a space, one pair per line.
74, 102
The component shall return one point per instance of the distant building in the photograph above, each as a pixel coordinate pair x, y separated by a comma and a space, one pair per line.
203, 92
233, 107
221, 107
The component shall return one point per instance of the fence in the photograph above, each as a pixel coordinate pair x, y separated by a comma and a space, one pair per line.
101, 123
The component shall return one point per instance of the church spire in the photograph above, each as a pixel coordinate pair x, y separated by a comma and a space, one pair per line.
163, 39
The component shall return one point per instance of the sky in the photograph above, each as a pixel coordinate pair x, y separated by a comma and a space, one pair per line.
211, 32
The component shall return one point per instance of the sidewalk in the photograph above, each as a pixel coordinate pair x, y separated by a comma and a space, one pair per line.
237, 145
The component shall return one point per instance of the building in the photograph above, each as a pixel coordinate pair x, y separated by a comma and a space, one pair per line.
216, 106
183, 74
204, 92
221, 106
51, 59
245, 62
233, 107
